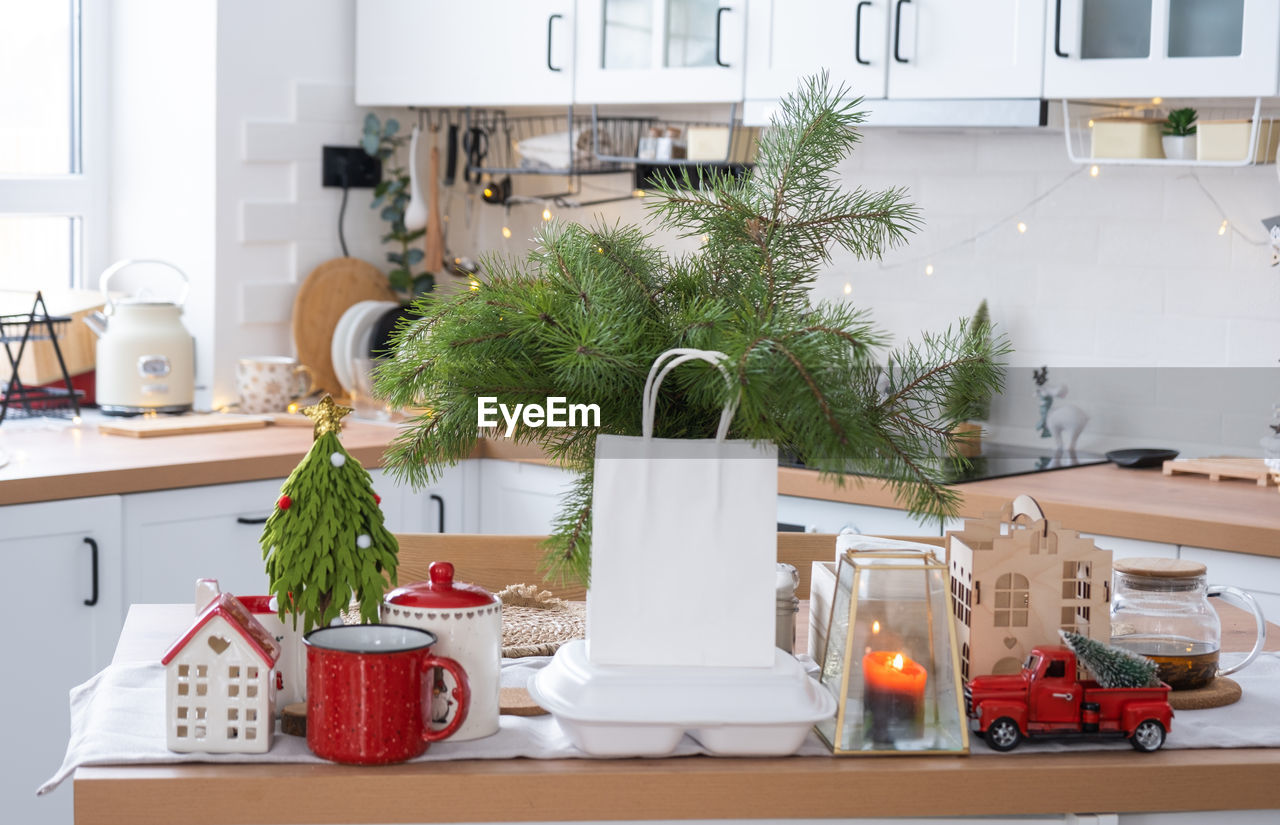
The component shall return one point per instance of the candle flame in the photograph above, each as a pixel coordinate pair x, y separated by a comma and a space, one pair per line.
897, 662
875, 626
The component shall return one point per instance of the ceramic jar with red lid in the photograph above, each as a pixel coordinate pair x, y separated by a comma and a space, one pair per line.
467, 621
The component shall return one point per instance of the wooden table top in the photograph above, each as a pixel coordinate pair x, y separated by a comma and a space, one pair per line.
981, 784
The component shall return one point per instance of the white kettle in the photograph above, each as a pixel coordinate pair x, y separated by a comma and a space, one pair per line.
146, 358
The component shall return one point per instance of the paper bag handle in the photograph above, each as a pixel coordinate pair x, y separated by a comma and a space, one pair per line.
674, 358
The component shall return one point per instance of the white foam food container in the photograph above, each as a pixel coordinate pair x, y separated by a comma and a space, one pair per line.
637, 710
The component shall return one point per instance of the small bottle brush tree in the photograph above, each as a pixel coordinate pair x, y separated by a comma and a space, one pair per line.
1112, 667
324, 543
968, 401
588, 311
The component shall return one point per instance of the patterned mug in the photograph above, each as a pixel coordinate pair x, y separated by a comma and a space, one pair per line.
266, 384
369, 689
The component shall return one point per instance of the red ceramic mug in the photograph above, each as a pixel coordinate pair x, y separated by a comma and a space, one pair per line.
369, 691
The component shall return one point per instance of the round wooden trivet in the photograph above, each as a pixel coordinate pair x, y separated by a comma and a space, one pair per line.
1218, 693
293, 719
515, 701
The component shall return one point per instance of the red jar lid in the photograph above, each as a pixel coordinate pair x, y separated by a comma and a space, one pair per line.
441, 592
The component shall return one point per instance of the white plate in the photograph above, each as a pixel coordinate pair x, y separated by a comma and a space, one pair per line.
358, 334
338, 345
629, 710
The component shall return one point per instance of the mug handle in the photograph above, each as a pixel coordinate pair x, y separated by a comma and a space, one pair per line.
308, 383
461, 692
1243, 599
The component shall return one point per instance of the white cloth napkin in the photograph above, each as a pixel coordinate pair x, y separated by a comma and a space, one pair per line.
118, 718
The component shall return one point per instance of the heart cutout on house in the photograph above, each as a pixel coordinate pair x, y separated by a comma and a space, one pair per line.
218, 644
1009, 641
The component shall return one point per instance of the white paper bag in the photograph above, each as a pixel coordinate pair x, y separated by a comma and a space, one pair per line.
683, 544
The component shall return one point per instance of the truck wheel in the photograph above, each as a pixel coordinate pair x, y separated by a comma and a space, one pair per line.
1003, 734
1148, 736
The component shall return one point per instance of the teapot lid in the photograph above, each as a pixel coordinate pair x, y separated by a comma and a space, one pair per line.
1159, 568
441, 591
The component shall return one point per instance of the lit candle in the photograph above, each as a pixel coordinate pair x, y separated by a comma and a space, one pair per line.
893, 696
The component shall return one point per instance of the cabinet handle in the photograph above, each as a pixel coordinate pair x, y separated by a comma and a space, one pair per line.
897, 31
857, 33
93, 557
720, 16
1057, 30
439, 510
247, 520
550, 21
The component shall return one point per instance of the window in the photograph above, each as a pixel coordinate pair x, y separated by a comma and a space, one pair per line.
1056, 670
52, 143
1077, 580
1013, 598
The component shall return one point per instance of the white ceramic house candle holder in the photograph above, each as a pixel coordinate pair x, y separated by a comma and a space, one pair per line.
220, 684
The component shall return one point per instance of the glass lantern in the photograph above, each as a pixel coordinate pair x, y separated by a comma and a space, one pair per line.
891, 659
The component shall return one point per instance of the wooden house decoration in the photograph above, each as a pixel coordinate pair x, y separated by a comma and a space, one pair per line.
219, 684
1015, 583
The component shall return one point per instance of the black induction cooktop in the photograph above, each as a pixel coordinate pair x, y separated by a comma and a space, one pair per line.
996, 461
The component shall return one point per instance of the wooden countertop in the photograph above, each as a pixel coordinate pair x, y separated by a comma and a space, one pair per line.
47, 465
981, 784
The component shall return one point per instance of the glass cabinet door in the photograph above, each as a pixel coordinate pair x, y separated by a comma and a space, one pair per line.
1162, 48
659, 51
1206, 28
1114, 29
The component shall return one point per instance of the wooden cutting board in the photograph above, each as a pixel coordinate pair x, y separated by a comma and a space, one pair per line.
330, 290
147, 427
1251, 469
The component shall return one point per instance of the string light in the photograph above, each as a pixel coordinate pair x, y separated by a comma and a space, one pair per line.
637, 193
1022, 228
1093, 171
705, 238
546, 213
1222, 230
1156, 101
1090, 124
475, 285
506, 232
928, 269
848, 289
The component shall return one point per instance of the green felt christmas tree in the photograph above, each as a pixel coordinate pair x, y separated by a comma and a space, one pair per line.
325, 543
1113, 667
587, 312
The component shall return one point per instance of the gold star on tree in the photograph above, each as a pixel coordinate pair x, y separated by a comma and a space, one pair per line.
327, 416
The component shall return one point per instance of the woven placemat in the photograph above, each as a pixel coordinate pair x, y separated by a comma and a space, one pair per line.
536, 623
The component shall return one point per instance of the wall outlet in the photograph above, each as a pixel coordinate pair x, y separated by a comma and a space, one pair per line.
360, 169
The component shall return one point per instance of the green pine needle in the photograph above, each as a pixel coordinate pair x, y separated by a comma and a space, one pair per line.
590, 308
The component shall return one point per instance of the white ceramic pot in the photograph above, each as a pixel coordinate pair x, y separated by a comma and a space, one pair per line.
1179, 147
467, 621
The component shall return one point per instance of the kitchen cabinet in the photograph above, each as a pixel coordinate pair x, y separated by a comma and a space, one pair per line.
519, 499
978, 63
791, 39
1147, 48
660, 51
940, 49
173, 537
443, 53
820, 516
64, 605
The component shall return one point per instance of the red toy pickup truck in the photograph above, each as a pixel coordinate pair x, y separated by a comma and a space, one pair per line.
1046, 699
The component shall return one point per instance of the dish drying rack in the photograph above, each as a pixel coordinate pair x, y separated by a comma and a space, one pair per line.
574, 145
561, 145
1078, 117
19, 400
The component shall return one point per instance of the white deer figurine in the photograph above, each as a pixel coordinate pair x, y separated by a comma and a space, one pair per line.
1062, 421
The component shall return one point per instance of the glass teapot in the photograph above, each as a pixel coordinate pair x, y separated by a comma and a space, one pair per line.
1160, 609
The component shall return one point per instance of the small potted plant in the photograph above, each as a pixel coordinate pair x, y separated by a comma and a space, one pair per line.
1179, 139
